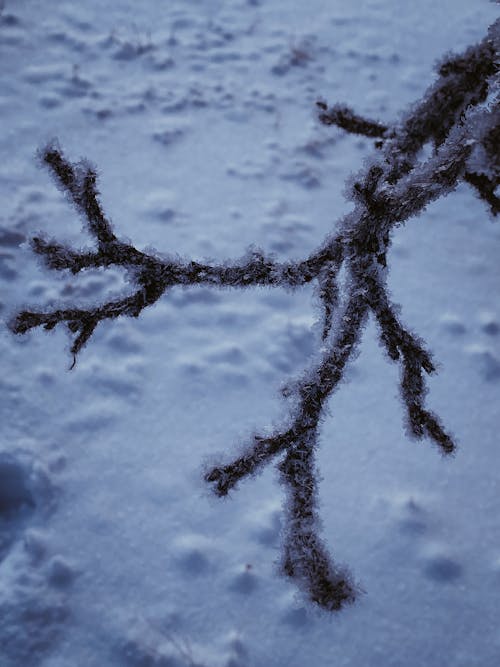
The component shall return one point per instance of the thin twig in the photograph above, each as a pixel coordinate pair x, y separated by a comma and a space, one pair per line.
460, 115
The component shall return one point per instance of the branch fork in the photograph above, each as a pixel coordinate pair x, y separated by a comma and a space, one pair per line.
455, 115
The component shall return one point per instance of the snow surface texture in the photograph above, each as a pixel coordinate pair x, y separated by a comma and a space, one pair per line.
461, 116
142, 569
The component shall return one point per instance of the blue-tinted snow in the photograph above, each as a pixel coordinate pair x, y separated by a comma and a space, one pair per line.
199, 117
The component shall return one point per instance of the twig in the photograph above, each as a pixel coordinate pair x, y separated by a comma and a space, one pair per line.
460, 115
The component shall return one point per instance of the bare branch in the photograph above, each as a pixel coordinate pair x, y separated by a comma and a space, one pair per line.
459, 115
347, 120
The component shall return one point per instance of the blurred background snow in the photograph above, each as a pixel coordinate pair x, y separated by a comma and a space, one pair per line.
200, 119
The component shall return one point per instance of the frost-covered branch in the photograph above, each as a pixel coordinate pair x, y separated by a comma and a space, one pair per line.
460, 115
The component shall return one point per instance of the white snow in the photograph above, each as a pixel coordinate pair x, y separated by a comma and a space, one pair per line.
199, 117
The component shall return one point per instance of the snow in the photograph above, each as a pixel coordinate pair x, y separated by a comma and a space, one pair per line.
199, 117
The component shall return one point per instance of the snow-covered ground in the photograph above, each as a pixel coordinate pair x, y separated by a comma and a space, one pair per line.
199, 115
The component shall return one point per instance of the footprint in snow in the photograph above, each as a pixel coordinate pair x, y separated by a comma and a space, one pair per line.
33, 581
